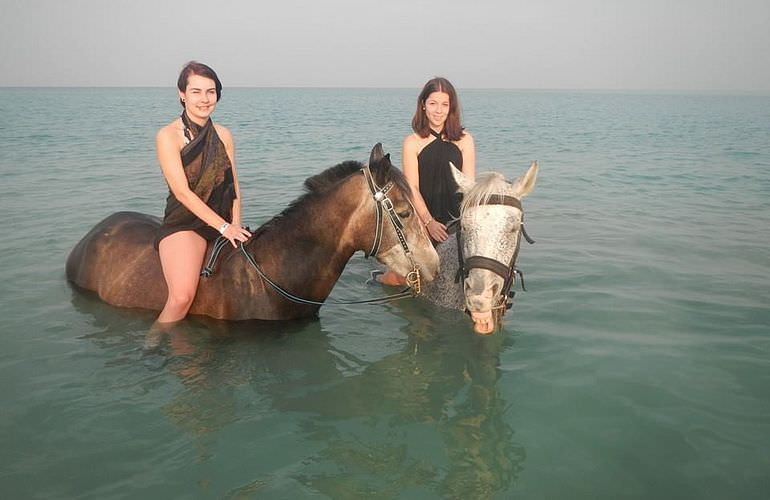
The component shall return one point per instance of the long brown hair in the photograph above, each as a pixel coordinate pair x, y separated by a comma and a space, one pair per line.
200, 69
453, 130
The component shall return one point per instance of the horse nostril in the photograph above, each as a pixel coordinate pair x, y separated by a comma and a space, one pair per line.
495, 289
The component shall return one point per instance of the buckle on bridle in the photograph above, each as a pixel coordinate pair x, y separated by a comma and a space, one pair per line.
414, 281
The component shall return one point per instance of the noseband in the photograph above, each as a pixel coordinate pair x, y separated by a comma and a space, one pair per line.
507, 271
383, 204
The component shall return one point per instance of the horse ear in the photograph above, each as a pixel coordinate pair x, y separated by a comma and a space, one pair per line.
526, 182
463, 182
377, 154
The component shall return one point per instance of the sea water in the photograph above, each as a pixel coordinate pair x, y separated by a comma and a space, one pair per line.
636, 364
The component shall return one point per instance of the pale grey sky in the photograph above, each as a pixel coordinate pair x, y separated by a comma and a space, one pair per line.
536, 44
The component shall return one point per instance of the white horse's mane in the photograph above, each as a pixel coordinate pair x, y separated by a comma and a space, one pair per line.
487, 184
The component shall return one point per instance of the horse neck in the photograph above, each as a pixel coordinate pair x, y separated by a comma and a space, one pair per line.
308, 248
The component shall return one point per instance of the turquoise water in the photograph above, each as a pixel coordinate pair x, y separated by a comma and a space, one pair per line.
637, 364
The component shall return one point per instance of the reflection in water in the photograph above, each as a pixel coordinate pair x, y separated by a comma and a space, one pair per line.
206, 405
214, 360
428, 418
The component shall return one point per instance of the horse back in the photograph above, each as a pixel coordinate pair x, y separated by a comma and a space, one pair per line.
118, 261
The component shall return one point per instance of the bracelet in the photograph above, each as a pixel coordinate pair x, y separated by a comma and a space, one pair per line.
224, 227
427, 222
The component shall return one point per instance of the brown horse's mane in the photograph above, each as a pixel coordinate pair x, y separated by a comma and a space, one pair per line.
319, 185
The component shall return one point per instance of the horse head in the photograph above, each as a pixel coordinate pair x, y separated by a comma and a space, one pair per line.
491, 220
403, 242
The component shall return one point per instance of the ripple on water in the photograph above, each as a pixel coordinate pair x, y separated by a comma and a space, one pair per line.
636, 364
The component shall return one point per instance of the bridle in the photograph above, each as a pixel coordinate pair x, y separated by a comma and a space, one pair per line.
383, 205
507, 271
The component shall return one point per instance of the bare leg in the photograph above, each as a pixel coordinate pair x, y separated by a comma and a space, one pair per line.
181, 257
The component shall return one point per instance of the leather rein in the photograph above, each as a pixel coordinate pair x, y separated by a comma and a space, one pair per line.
383, 205
507, 271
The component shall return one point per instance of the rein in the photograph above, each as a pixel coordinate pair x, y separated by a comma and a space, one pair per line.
407, 292
383, 205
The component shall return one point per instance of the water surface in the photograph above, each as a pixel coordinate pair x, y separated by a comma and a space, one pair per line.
637, 364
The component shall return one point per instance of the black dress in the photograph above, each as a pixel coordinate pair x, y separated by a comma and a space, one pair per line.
437, 186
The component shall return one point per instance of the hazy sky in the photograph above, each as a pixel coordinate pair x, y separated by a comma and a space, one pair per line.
535, 44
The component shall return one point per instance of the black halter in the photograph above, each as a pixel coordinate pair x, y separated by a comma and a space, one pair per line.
383, 204
507, 271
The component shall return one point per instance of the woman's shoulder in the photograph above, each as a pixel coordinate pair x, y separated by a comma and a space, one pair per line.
224, 135
174, 131
413, 142
222, 131
410, 143
465, 141
412, 138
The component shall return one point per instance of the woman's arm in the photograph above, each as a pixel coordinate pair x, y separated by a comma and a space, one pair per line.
171, 165
468, 150
436, 230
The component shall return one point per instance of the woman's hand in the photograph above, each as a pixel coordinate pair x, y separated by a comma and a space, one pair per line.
436, 230
235, 233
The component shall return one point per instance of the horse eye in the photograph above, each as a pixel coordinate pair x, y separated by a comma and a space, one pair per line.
405, 214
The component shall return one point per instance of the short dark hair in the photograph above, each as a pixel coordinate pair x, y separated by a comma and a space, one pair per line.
453, 130
200, 69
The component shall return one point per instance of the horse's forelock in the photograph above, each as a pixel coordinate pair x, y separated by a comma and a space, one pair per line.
487, 184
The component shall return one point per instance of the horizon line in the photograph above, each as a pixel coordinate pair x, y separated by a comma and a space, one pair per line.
367, 87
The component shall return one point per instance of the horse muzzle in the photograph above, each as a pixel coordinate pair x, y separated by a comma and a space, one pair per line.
480, 303
484, 323
428, 260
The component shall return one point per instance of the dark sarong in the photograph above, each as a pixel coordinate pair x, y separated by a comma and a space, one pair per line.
209, 175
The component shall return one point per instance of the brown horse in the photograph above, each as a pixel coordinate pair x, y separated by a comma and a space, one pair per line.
304, 249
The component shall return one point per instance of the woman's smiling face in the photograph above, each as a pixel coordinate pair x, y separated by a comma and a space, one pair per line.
200, 97
437, 107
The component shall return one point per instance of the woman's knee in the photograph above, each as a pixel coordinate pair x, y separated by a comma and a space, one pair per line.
181, 299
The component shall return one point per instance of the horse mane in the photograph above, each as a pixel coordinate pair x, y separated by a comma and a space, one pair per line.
383, 172
318, 185
487, 185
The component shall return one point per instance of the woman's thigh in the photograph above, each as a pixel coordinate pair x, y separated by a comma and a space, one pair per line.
181, 257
